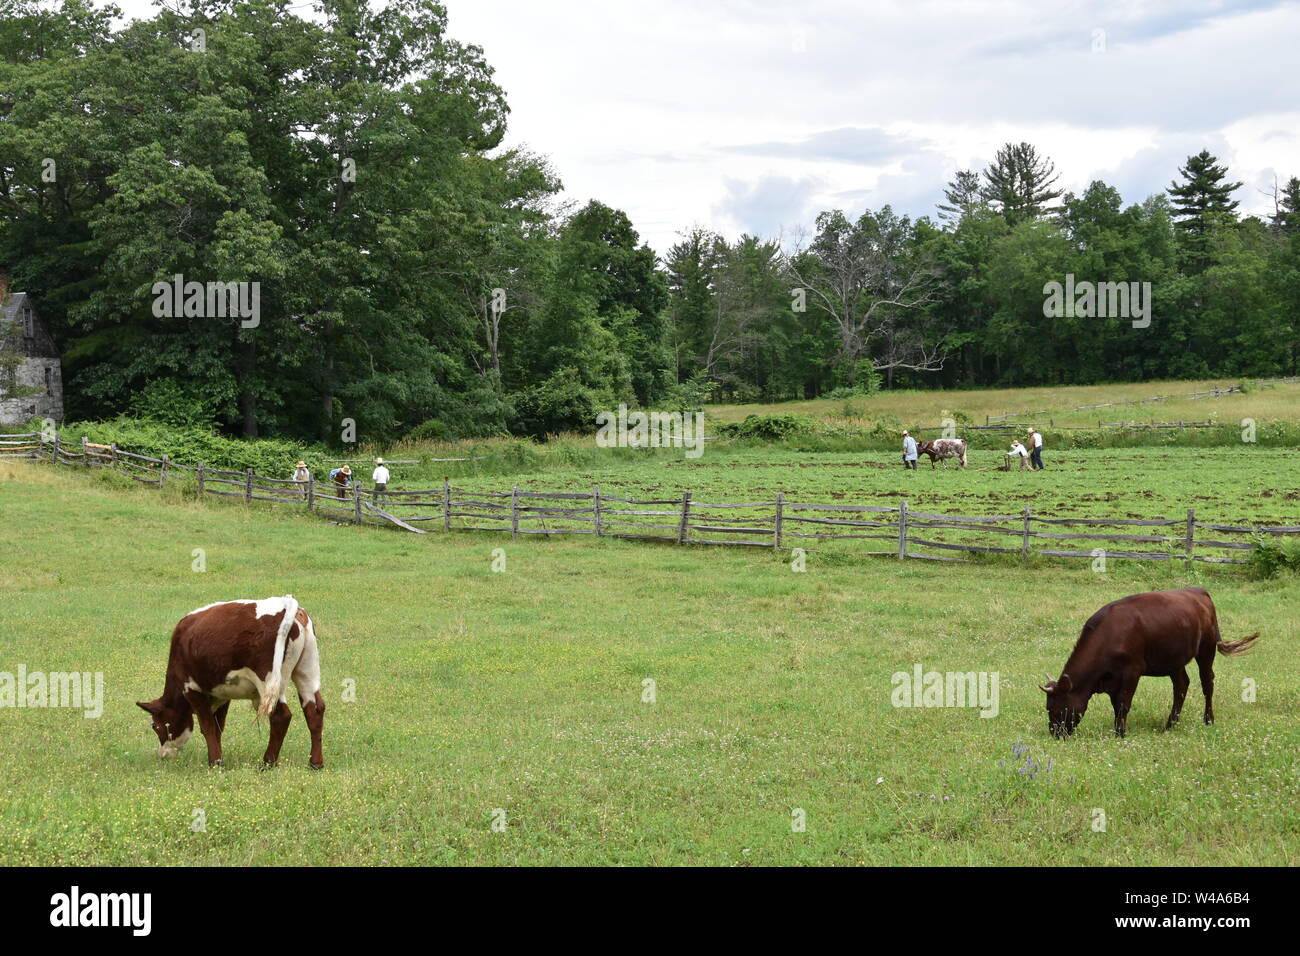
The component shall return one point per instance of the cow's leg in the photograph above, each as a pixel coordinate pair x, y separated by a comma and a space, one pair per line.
1122, 701
1181, 683
1205, 664
306, 677
219, 715
280, 718
208, 725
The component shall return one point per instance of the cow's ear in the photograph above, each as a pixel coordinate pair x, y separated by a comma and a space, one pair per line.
1065, 683
152, 707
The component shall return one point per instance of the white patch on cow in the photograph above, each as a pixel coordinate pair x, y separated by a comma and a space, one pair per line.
172, 747
191, 684
264, 606
275, 605
306, 675
241, 684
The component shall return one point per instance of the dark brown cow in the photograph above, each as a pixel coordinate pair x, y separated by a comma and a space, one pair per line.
1151, 635
239, 650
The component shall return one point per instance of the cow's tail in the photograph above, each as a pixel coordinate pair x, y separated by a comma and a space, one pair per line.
1237, 647
275, 679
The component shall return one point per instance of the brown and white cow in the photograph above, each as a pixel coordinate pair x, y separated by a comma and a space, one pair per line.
944, 448
239, 650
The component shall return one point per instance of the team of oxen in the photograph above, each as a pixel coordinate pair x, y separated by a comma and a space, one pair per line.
253, 650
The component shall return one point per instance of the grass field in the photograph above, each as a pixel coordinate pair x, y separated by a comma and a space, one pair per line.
1266, 403
522, 691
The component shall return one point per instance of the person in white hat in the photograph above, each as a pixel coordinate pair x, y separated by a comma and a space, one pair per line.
302, 475
380, 477
909, 451
1036, 449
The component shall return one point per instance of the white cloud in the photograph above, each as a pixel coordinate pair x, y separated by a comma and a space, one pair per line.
737, 114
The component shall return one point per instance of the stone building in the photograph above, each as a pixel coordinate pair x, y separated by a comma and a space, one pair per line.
39, 374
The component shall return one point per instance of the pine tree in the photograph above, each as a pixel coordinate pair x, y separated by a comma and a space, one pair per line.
1202, 199
961, 194
1018, 183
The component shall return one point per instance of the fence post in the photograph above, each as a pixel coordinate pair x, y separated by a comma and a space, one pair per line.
199, 472
686, 517
85, 451
114, 462
311, 490
514, 513
595, 497
902, 529
1024, 537
55, 459
1189, 543
248, 486
780, 508
446, 504
162, 472
356, 501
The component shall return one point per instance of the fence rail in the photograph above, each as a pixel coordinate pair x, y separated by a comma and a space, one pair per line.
777, 523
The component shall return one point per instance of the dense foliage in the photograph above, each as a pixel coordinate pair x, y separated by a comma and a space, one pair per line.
418, 279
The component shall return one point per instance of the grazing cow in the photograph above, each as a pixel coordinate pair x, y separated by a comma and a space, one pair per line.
944, 448
1152, 635
239, 650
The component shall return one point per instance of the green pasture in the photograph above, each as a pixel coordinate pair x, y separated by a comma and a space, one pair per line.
522, 691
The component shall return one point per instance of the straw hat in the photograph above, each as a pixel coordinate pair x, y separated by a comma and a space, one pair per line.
379, 461
904, 434
347, 469
301, 464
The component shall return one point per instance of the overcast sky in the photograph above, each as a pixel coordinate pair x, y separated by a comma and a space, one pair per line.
753, 115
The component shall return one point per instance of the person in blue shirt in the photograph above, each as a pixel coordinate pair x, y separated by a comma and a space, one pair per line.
341, 477
909, 451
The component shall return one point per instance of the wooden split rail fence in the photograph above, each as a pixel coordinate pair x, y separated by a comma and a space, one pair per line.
779, 524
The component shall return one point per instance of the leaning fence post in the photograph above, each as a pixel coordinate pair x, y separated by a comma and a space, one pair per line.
356, 501
1024, 537
199, 472
686, 517
776, 525
162, 472
514, 512
1189, 543
248, 486
446, 504
595, 498
902, 529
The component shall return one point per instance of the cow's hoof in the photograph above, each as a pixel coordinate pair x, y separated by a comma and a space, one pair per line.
215, 765
268, 764
315, 766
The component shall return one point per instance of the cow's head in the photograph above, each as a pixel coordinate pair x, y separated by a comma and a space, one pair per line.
1065, 705
173, 727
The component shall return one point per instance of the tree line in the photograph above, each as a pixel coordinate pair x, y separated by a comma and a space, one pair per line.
417, 279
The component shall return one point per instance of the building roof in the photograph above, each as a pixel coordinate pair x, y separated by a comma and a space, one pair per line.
11, 304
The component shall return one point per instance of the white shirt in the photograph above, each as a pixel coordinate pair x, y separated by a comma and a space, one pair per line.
1018, 449
380, 477
1038, 440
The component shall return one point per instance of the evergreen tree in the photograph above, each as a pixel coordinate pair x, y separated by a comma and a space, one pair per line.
1018, 183
1201, 199
962, 194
